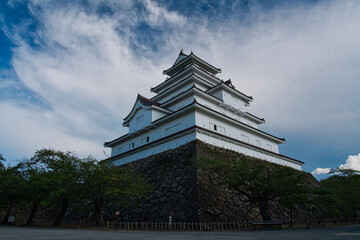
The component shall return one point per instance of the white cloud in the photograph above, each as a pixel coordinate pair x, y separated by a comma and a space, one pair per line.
159, 16
320, 171
88, 75
301, 66
25, 130
352, 162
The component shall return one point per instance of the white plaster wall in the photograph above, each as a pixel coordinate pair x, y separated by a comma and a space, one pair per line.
161, 98
156, 114
185, 120
171, 82
217, 93
233, 100
221, 109
242, 149
135, 125
171, 144
174, 92
207, 76
186, 73
229, 98
204, 119
181, 103
201, 85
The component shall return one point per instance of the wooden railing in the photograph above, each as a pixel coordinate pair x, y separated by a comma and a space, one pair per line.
200, 226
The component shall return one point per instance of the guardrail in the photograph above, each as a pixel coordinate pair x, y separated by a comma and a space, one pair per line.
201, 226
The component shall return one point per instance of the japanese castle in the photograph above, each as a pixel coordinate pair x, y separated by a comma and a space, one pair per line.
193, 103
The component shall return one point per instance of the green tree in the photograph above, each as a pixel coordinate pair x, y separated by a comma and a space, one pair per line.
39, 184
63, 167
325, 203
292, 189
260, 182
345, 186
103, 182
2, 159
11, 189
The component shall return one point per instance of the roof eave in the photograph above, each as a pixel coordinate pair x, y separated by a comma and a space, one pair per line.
190, 57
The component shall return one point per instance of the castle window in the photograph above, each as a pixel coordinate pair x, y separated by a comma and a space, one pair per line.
144, 140
245, 138
258, 143
269, 147
168, 131
131, 145
213, 126
140, 119
221, 130
177, 127
120, 149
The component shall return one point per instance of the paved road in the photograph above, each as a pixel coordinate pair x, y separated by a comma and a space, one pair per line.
34, 233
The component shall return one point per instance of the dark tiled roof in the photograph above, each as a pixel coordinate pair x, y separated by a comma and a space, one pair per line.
185, 68
229, 83
185, 79
147, 102
116, 139
192, 57
262, 119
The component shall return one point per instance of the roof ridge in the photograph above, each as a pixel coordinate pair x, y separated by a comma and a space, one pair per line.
146, 101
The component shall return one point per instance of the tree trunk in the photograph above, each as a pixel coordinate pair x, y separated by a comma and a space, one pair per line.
11, 211
33, 211
63, 209
99, 205
264, 210
291, 217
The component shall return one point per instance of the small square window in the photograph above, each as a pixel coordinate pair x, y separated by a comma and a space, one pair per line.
221, 130
213, 126
177, 127
168, 131
139, 119
120, 149
244, 138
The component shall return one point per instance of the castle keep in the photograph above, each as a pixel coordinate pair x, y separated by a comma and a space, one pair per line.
194, 104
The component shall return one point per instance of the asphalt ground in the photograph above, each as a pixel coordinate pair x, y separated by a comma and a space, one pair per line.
37, 233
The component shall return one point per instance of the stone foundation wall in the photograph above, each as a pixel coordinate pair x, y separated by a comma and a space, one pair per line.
189, 194
181, 190
173, 177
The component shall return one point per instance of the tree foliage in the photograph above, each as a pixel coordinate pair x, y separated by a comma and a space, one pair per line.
261, 182
61, 179
106, 181
343, 188
63, 169
11, 188
2, 159
39, 184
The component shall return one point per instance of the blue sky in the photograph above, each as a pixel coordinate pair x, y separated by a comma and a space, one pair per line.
71, 70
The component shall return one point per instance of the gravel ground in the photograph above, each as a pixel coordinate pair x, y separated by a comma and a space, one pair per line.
37, 233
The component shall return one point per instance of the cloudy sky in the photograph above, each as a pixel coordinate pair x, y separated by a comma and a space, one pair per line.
71, 70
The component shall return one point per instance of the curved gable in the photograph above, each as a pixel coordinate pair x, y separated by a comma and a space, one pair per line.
143, 113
